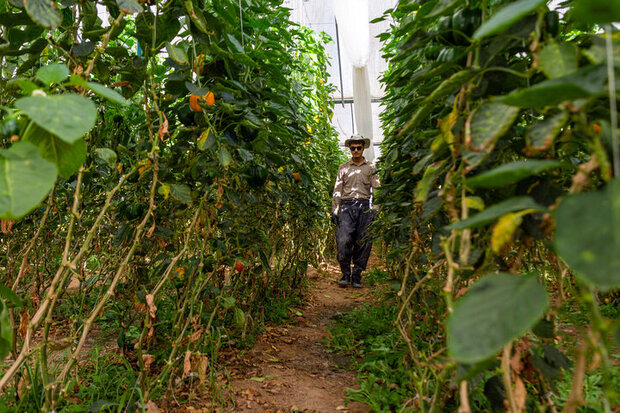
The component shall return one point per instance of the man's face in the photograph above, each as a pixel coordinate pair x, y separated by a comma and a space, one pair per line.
356, 148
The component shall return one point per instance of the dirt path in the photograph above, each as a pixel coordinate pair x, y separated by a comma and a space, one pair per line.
289, 369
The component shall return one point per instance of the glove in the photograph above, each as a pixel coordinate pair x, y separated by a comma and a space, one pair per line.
335, 219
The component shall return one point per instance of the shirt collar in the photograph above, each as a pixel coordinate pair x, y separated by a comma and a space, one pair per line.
351, 163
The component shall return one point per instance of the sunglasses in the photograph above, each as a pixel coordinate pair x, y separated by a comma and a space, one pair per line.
355, 148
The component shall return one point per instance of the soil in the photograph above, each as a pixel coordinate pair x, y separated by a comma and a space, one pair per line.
290, 369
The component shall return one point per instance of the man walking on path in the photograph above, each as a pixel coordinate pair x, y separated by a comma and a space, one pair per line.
352, 212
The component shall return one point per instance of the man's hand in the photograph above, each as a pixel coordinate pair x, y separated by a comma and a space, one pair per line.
335, 219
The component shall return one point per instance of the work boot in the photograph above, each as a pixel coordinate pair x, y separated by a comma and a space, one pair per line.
344, 281
357, 281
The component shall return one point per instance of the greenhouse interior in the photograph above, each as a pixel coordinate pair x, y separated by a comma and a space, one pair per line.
309, 206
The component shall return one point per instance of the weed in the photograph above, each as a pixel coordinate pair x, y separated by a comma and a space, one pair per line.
375, 276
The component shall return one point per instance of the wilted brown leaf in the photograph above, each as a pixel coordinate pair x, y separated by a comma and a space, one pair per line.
203, 364
163, 128
148, 359
151, 407
187, 363
150, 302
23, 322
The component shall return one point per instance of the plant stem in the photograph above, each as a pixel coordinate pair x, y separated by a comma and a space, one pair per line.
507, 380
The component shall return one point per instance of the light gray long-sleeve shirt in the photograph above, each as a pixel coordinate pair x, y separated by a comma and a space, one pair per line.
354, 182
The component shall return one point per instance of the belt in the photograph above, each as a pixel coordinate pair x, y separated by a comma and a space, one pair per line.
355, 201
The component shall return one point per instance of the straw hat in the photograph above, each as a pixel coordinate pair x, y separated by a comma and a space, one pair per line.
357, 138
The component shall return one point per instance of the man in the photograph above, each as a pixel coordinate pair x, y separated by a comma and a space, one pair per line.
352, 213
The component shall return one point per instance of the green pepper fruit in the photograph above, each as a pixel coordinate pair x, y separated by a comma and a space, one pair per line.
444, 30
431, 51
464, 23
552, 23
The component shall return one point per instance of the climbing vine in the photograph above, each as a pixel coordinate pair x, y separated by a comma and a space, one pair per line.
165, 183
499, 196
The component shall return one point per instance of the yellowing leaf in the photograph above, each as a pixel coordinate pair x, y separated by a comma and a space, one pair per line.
446, 126
474, 202
505, 228
164, 189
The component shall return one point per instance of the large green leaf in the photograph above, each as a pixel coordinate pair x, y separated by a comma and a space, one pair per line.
558, 59
540, 135
506, 16
488, 123
43, 12
597, 53
197, 16
8, 294
430, 175
588, 235
107, 156
584, 83
67, 116
497, 309
181, 193
493, 212
53, 73
107, 93
6, 331
596, 11
511, 172
25, 179
68, 157
224, 156
176, 53
449, 85
444, 7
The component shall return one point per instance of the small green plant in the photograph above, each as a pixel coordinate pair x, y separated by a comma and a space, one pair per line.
376, 276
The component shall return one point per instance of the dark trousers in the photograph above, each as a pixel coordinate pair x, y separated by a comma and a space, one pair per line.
352, 237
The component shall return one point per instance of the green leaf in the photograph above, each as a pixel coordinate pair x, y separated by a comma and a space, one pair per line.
195, 90
430, 175
67, 116
587, 235
444, 7
8, 294
540, 135
43, 12
68, 157
597, 53
495, 211
596, 11
129, 6
6, 331
239, 317
197, 16
449, 85
584, 83
181, 193
107, 155
511, 172
53, 73
558, 59
228, 302
107, 93
25, 179
497, 309
488, 123
224, 157
506, 16
176, 53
